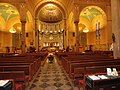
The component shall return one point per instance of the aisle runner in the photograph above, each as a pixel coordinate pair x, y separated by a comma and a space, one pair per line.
52, 77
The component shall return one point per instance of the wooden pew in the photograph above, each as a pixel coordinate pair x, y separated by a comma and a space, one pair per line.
74, 66
26, 68
96, 70
67, 60
18, 77
28, 63
35, 63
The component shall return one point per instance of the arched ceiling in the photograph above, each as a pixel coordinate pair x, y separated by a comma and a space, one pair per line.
90, 13
66, 4
9, 17
50, 13
8, 11
90, 16
70, 22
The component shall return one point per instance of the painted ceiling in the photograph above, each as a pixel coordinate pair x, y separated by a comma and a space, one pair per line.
90, 16
90, 13
50, 14
9, 18
8, 11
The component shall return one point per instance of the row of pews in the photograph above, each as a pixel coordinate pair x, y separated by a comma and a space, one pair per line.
78, 65
20, 68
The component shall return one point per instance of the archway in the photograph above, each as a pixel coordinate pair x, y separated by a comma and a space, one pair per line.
9, 16
56, 3
29, 29
92, 26
50, 24
71, 31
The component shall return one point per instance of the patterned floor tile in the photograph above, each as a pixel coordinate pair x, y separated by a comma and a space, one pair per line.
32, 86
52, 77
45, 80
36, 80
58, 84
44, 85
57, 79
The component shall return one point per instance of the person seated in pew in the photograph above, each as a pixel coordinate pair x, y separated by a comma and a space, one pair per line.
50, 58
31, 48
67, 49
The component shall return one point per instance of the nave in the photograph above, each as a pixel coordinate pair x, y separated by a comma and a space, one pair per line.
52, 76
67, 70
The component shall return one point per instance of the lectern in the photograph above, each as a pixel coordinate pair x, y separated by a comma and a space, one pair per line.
102, 82
5, 85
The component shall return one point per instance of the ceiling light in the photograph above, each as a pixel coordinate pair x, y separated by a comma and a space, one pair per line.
85, 30
51, 31
12, 30
55, 31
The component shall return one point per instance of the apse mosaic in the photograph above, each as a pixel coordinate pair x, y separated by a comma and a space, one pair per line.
50, 13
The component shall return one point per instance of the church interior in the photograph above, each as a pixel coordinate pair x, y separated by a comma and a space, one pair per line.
59, 44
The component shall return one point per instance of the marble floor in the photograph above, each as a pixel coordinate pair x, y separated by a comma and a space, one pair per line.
52, 77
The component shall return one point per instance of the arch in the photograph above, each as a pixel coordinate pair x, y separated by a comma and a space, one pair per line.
58, 4
8, 12
12, 21
70, 22
2, 23
29, 24
29, 27
84, 23
93, 14
29, 17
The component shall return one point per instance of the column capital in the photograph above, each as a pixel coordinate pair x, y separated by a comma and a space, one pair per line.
23, 21
76, 21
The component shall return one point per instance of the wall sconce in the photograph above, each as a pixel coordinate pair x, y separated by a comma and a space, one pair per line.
85, 30
12, 30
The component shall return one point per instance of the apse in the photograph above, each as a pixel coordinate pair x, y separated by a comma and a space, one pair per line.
50, 13
50, 26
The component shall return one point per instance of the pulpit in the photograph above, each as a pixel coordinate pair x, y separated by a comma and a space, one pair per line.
102, 82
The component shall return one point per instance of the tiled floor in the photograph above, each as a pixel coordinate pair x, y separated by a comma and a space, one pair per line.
52, 77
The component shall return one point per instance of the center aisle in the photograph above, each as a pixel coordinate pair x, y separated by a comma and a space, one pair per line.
52, 77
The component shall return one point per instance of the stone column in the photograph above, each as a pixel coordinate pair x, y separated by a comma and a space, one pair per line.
77, 35
109, 26
36, 35
65, 36
115, 5
76, 21
23, 41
